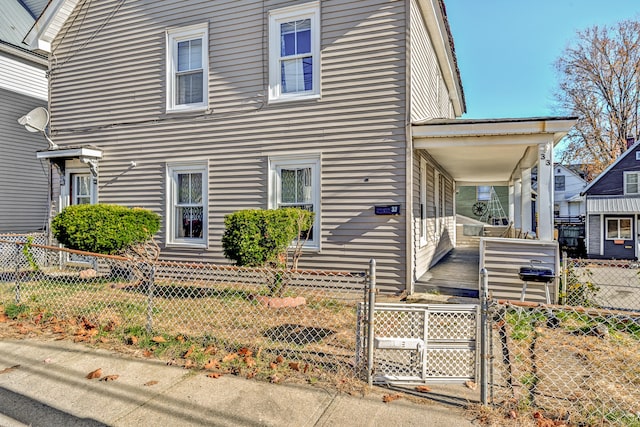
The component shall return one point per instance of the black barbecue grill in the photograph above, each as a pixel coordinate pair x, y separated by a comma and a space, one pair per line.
538, 274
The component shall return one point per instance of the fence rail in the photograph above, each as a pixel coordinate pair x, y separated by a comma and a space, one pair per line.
308, 315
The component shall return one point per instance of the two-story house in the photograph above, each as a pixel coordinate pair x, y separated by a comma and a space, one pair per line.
569, 204
196, 109
23, 86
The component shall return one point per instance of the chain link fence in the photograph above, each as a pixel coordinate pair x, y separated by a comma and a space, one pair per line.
611, 284
574, 364
304, 316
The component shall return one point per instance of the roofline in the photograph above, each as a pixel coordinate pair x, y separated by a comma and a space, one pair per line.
435, 17
23, 53
457, 128
565, 167
53, 13
611, 166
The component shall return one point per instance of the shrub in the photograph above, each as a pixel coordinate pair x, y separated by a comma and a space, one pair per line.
106, 229
257, 237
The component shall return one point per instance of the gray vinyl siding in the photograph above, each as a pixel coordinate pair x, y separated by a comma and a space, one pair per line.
437, 244
111, 93
429, 94
594, 239
502, 258
23, 178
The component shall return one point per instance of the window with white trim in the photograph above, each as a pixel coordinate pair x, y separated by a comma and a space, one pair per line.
423, 202
188, 68
187, 204
295, 182
558, 182
619, 229
632, 183
81, 189
294, 52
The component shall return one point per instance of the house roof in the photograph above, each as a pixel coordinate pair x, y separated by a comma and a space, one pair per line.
611, 166
15, 21
613, 204
48, 24
488, 151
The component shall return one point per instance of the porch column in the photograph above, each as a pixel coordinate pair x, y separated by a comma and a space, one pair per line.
545, 192
525, 201
517, 204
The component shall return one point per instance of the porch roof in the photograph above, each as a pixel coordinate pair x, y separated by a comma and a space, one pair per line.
488, 151
613, 205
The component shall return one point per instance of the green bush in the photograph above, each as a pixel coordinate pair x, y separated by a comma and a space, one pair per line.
256, 237
106, 229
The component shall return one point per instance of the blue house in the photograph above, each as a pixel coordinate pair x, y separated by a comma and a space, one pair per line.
613, 209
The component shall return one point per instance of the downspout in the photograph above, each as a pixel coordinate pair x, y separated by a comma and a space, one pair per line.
409, 237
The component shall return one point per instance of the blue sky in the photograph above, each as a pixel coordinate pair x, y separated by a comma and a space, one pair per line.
506, 49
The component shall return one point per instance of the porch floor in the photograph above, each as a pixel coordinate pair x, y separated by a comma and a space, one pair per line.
456, 274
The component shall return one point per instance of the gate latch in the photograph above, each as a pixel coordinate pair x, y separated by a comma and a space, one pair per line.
391, 343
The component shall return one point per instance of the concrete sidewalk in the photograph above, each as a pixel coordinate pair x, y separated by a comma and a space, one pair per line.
42, 383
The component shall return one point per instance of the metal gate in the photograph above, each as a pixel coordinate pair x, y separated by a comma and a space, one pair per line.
416, 343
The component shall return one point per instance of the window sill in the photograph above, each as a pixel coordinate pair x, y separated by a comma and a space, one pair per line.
186, 245
179, 110
285, 99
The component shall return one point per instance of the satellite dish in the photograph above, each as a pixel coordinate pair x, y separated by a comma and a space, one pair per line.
37, 120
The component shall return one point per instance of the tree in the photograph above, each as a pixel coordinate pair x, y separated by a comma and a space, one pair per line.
599, 83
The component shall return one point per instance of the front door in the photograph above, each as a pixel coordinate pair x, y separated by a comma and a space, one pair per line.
619, 241
79, 190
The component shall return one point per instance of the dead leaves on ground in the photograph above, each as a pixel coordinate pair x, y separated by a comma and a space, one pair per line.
423, 389
13, 368
97, 374
94, 374
391, 397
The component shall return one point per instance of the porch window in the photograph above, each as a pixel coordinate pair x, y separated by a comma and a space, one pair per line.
423, 202
187, 68
295, 182
483, 193
619, 229
187, 212
294, 52
631, 183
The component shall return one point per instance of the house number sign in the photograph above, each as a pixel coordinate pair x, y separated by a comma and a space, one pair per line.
388, 210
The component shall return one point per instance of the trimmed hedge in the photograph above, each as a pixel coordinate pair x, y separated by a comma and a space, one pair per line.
255, 237
105, 229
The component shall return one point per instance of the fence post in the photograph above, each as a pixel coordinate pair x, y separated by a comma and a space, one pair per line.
18, 275
563, 285
484, 336
150, 291
370, 319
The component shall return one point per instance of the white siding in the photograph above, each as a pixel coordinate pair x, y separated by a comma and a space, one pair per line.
23, 77
429, 94
439, 240
108, 90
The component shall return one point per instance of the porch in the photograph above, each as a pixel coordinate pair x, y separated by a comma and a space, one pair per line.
458, 273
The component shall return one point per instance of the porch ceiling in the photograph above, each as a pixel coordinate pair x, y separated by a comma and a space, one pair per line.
490, 151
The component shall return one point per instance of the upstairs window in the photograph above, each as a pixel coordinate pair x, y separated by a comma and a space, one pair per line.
631, 183
187, 68
559, 182
294, 52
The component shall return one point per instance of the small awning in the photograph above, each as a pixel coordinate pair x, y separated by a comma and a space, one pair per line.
71, 153
87, 154
613, 205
